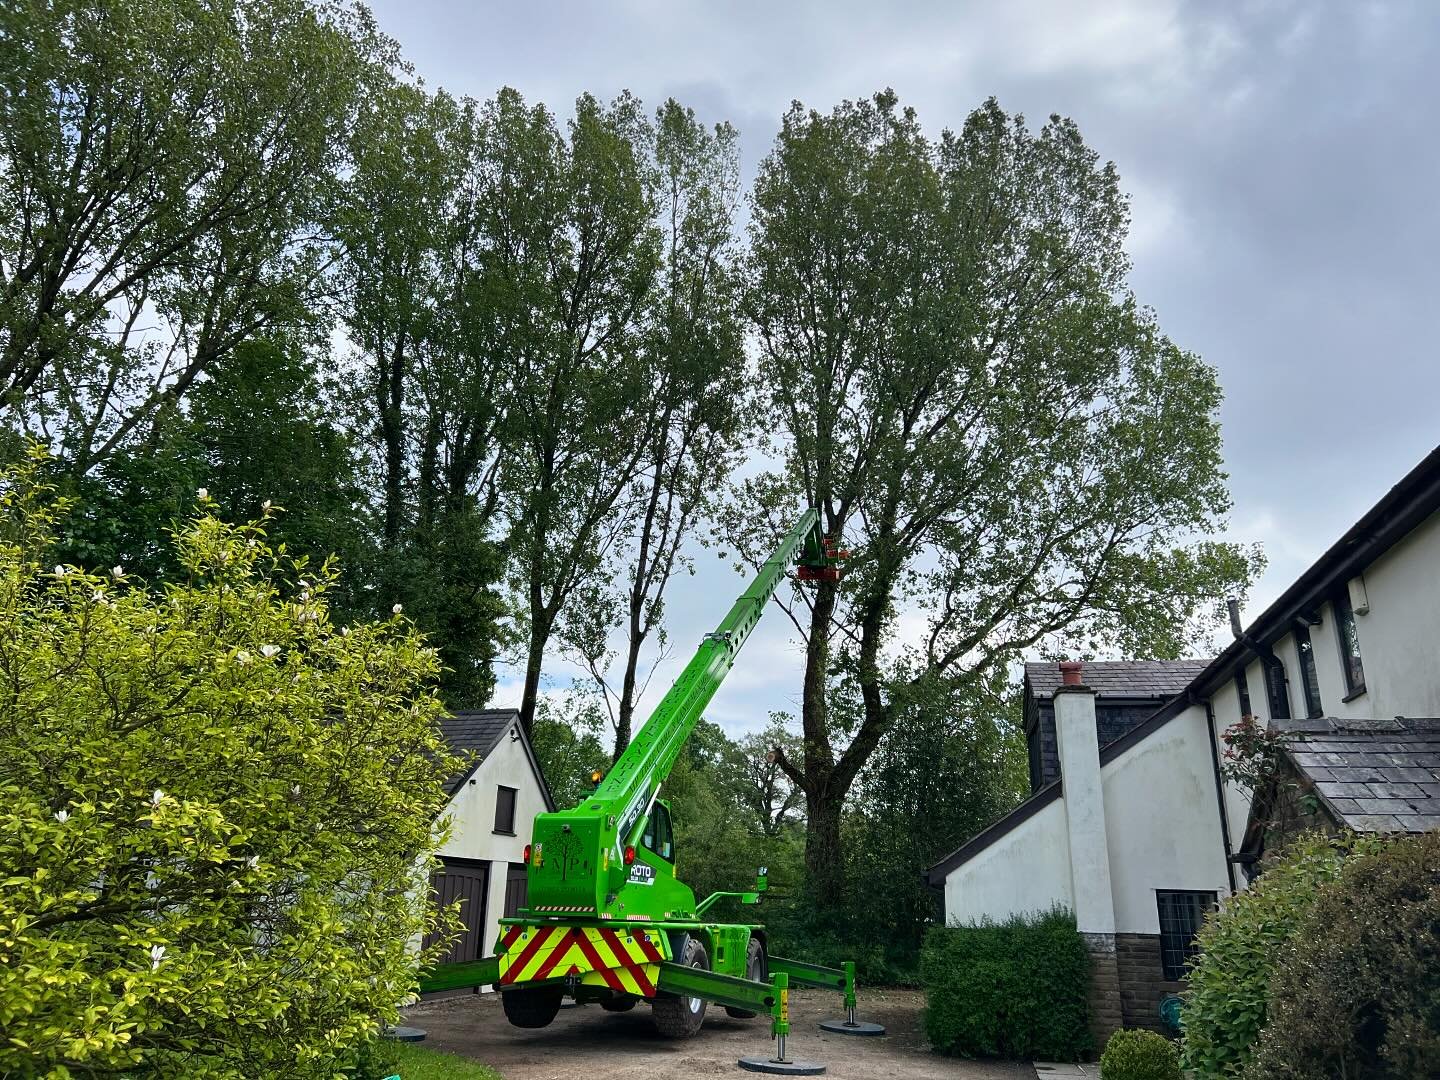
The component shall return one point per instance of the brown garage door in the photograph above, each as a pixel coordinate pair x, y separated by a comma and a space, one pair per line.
516, 888
465, 880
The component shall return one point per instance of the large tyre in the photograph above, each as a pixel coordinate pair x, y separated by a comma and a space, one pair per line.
532, 1006
679, 1017
619, 1004
754, 971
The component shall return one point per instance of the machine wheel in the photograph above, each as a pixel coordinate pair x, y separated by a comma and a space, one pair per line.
754, 971
532, 1006
679, 1017
619, 1004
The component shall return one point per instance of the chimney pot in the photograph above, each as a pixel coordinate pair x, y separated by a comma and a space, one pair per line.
1070, 672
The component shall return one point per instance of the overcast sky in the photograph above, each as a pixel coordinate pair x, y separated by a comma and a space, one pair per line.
1280, 157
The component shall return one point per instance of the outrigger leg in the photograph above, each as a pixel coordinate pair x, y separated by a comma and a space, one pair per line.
780, 1062
850, 1026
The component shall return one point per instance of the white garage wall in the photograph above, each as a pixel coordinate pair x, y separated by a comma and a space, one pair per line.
472, 817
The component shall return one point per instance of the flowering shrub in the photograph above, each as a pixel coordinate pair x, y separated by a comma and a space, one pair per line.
212, 804
1252, 753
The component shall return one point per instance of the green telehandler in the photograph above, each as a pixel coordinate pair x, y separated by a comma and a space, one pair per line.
607, 920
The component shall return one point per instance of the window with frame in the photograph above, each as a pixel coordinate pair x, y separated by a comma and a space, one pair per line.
1309, 678
1242, 689
1349, 642
1181, 914
505, 810
658, 836
1276, 689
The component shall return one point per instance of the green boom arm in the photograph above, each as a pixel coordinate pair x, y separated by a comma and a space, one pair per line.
579, 863
651, 755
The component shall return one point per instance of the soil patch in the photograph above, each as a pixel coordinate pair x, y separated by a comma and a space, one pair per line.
587, 1043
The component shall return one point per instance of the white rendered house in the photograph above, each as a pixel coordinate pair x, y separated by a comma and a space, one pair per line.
1130, 824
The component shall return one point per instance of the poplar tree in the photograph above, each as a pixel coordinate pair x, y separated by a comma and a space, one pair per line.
963, 384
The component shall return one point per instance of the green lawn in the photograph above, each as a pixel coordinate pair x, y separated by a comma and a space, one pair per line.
418, 1063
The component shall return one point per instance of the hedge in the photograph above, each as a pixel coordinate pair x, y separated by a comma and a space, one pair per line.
1240, 946
1018, 989
1357, 992
1139, 1055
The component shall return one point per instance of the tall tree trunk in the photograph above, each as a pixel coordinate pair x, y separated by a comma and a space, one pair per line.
392, 401
625, 714
824, 860
822, 828
534, 661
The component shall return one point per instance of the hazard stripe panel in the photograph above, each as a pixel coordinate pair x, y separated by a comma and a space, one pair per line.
626, 960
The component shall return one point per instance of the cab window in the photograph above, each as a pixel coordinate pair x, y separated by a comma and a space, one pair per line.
658, 836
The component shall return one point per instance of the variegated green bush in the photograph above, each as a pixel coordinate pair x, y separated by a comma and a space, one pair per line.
214, 805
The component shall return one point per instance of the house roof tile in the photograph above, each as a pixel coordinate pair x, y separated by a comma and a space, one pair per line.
1157, 679
1372, 775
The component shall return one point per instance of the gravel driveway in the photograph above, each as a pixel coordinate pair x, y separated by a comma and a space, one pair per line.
587, 1043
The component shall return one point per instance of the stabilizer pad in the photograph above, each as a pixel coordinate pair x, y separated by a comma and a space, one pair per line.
842, 1027
404, 1034
784, 1068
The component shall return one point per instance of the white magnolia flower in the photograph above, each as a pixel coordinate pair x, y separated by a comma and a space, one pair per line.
202, 493
117, 572
59, 571
252, 862
304, 594
157, 953
344, 631
265, 505
242, 657
62, 816
98, 596
295, 790
157, 797
398, 608
268, 651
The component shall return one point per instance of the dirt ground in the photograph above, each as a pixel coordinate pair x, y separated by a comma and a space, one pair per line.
587, 1043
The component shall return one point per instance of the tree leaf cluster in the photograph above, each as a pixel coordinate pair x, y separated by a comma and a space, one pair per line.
216, 806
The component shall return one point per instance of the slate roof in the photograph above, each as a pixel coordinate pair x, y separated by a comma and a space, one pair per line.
1159, 679
473, 733
1372, 775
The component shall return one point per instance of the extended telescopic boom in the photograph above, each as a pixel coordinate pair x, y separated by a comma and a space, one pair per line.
580, 859
651, 755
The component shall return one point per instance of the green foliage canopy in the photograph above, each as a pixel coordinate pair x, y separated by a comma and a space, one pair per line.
166, 176
959, 378
212, 804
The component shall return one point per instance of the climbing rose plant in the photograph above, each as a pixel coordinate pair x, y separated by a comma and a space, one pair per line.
214, 806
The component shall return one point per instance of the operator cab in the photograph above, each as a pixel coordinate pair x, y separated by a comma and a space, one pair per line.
659, 837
